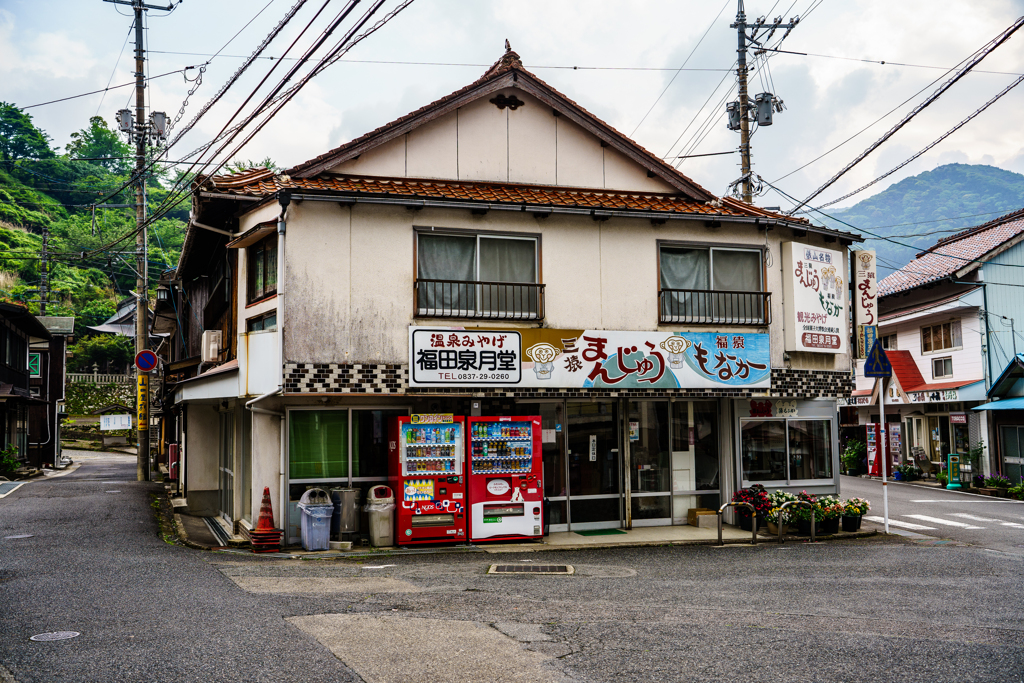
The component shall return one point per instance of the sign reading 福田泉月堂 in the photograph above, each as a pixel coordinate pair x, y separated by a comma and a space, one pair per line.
814, 291
542, 357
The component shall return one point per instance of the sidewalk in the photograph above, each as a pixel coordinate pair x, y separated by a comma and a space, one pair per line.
196, 533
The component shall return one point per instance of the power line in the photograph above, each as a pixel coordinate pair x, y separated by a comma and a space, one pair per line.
116, 63
113, 87
975, 59
888, 63
680, 69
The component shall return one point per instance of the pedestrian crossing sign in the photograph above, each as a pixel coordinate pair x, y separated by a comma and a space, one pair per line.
877, 363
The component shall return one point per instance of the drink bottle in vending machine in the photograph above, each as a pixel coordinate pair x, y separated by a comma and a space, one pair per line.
425, 469
505, 478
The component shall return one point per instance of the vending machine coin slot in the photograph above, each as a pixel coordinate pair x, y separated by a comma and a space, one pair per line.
433, 520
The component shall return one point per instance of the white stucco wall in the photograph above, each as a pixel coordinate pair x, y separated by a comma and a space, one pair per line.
201, 451
527, 145
351, 273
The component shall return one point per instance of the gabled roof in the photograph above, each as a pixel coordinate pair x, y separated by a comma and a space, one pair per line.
1013, 372
931, 304
910, 378
506, 72
957, 255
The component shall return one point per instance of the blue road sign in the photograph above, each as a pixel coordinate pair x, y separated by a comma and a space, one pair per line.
877, 363
145, 360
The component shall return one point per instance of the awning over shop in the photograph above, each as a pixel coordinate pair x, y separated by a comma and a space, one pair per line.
1005, 404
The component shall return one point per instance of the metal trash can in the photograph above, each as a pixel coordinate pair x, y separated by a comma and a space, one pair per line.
346, 512
317, 510
380, 503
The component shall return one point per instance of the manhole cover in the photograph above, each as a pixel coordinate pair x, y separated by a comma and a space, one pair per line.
19, 536
530, 569
56, 635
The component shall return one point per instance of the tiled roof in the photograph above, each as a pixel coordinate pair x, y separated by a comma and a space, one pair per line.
953, 254
509, 63
502, 193
910, 377
924, 307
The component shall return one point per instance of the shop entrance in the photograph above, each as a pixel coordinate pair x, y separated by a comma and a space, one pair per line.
593, 462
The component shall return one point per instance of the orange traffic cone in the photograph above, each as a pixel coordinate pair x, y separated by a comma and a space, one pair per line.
265, 538
266, 520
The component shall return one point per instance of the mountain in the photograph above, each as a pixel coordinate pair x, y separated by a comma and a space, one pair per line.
918, 211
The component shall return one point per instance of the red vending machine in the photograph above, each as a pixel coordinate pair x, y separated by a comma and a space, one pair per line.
426, 472
505, 478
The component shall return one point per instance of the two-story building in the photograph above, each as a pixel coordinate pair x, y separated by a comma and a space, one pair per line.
47, 380
502, 251
18, 329
948, 323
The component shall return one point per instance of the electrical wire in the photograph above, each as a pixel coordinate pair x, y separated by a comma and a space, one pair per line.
116, 64
975, 59
680, 69
115, 87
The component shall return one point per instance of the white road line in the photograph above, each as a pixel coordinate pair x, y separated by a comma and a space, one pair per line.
902, 525
946, 522
974, 518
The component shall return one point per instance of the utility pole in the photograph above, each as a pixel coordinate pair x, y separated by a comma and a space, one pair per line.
140, 133
739, 112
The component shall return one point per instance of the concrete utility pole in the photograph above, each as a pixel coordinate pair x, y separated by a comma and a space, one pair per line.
765, 101
140, 133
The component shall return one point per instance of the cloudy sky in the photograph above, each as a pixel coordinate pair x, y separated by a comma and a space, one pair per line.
627, 53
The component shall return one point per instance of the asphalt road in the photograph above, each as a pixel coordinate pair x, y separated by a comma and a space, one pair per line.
995, 523
879, 609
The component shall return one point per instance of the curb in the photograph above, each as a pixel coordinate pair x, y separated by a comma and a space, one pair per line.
179, 528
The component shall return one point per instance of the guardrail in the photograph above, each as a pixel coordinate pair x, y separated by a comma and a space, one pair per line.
704, 307
782, 508
753, 521
96, 378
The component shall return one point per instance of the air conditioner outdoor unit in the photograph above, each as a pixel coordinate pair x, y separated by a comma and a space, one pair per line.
211, 346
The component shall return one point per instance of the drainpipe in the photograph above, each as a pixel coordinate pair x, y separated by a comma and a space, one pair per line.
284, 199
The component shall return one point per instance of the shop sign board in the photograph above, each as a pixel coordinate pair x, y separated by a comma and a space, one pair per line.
958, 418
431, 418
546, 358
865, 290
934, 396
814, 299
110, 422
866, 336
854, 401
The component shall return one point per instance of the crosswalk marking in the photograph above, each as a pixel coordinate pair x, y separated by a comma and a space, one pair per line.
1012, 525
899, 524
946, 522
974, 518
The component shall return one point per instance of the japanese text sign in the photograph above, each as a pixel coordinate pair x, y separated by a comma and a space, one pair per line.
865, 288
108, 422
542, 357
814, 299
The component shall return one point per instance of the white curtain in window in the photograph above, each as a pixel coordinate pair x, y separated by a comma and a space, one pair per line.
508, 260
685, 269
736, 271
446, 257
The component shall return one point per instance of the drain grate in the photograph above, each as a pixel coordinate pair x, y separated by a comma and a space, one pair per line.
531, 569
56, 635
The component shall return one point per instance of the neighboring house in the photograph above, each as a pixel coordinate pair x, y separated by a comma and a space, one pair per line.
18, 329
501, 251
47, 379
1005, 411
945, 320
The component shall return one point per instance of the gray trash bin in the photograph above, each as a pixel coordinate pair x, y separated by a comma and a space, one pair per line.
380, 503
346, 512
317, 510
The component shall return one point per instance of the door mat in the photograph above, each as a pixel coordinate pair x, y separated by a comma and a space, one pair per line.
600, 532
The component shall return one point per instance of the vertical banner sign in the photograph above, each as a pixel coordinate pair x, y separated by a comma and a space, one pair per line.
814, 292
142, 402
865, 294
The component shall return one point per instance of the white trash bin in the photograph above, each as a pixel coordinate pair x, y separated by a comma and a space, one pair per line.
380, 503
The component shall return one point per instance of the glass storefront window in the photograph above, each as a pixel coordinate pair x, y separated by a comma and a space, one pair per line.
705, 433
810, 449
648, 446
763, 447
786, 450
318, 444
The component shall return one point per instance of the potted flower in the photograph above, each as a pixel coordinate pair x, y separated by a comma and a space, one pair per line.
1017, 491
853, 510
854, 456
777, 517
802, 513
997, 485
830, 509
756, 495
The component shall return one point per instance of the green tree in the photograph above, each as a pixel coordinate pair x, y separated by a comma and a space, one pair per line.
111, 353
99, 141
239, 165
19, 137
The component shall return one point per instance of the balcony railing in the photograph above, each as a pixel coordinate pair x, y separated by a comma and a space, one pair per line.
704, 307
489, 300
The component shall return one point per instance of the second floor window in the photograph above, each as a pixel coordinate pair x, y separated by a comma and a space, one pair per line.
889, 342
477, 276
711, 285
262, 268
942, 368
941, 337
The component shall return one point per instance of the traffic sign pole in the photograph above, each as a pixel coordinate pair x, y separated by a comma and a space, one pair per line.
884, 452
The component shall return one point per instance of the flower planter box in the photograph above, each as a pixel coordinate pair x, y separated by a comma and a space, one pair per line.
851, 524
829, 526
773, 529
989, 492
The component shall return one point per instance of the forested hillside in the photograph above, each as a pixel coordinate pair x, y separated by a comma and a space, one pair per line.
42, 186
918, 211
